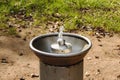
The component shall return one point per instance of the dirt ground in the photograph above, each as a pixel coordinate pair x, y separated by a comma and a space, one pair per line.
17, 61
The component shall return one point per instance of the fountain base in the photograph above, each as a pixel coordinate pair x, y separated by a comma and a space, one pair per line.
50, 72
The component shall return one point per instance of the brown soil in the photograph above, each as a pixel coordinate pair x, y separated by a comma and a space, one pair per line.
17, 61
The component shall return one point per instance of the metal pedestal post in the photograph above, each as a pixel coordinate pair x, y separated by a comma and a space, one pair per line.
51, 72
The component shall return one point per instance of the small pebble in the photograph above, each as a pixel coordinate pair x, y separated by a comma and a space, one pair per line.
100, 45
4, 60
118, 76
89, 58
20, 30
87, 74
51, 30
18, 26
98, 35
21, 54
99, 40
57, 15
98, 71
34, 75
25, 39
97, 57
10, 26
118, 45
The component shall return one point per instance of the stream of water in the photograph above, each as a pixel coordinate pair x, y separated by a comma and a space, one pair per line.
61, 46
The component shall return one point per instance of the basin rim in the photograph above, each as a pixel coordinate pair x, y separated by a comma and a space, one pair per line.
61, 55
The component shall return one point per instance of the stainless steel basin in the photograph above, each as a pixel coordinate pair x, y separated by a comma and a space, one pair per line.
41, 45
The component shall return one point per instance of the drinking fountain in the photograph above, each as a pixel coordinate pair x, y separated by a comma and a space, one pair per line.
61, 55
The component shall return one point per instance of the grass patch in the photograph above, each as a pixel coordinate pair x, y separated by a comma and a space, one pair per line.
73, 13
12, 31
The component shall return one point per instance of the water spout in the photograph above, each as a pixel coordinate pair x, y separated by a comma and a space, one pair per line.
60, 40
61, 46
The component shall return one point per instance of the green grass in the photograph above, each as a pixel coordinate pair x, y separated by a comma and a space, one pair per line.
74, 13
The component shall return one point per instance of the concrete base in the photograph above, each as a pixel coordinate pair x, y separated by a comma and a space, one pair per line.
73, 72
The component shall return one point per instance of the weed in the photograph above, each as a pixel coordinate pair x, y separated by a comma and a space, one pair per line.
12, 31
